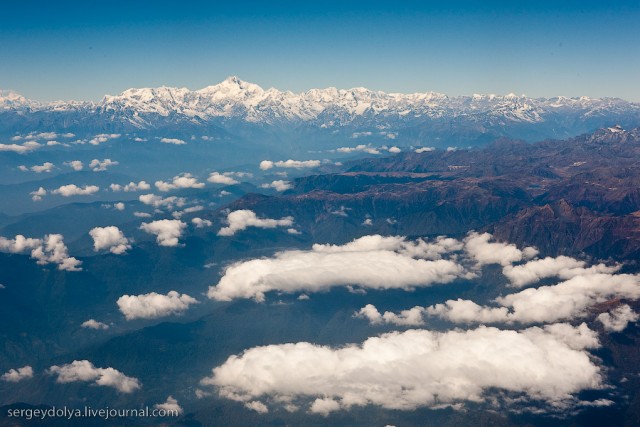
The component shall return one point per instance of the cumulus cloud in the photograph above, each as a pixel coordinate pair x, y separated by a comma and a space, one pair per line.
221, 178
45, 167
159, 201
53, 251
103, 137
167, 231
241, 219
101, 166
296, 164
118, 206
94, 324
416, 368
185, 180
73, 190
154, 305
278, 185
50, 250
142, 214
85, 371
566, 300
479, 247
411, 317
372, 262
170, 406
20, 148
17, 375
563, 267
37, 195
174, 141
76, 165
394, 150
201, 223
362, 147
109, 238
618, 319
131, 187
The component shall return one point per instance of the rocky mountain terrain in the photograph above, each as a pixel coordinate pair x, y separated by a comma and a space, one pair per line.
581, 195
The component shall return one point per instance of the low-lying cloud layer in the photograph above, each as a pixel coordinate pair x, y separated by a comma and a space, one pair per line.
85, 371
371, 262
415, 368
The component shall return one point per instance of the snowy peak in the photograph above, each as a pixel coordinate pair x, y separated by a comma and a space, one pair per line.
239, 101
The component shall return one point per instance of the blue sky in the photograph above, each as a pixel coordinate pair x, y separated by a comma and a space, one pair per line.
83, 50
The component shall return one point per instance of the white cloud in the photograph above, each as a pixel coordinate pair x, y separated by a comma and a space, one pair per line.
297, 164
53, 251
46, 135
278, 185
411, 317
73, 190
119, 206
362, 147
167, 231
485, 252
218, 178
185, 180
50, 250
224, 193
241, 219
94, 324
424, 149
324, 406
201, 223
174, 141
372, 262
103, 137
257, 406
109, 238
618, 319
170, 406
45, 167
416, 368
17, 375
563, 267
191, 209
566, 300
394, 150
37, 195
101, 166
85, 371
158, 201
154, 305
293, 231
367, 222
142, 214
20, 148
76, 165
130, 187
266, 165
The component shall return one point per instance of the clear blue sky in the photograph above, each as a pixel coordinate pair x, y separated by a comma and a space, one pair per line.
85, 49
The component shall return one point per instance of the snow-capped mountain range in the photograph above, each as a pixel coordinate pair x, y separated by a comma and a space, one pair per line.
234, 102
